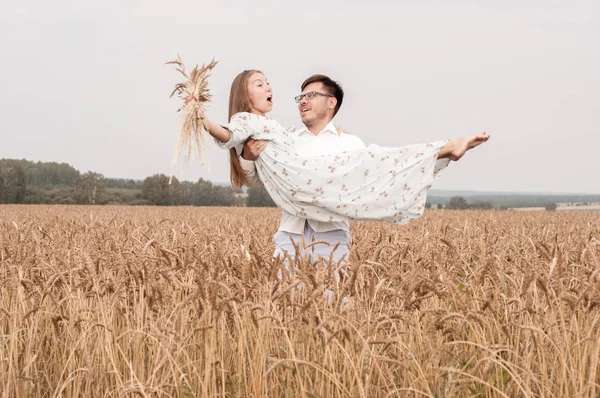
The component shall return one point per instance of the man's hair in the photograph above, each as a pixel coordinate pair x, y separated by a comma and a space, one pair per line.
332, 87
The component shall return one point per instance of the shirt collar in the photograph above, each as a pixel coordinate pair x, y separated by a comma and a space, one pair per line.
330, 128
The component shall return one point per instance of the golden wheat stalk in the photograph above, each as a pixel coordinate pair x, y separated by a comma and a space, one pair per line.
195, 95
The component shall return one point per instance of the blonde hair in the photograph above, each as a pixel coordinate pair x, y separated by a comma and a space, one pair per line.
239, 101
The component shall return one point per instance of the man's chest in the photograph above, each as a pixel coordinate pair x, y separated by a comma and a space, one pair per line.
311, 145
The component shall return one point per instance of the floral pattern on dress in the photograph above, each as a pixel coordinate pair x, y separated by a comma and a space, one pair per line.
374, 183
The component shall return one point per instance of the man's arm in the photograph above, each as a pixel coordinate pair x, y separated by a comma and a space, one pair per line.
357, 143
252, 149
250, 172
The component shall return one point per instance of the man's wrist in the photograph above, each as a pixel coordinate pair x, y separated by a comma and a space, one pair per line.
246, 164
243, 156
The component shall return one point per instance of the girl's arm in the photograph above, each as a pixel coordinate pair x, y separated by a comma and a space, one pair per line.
230, 135
216, 130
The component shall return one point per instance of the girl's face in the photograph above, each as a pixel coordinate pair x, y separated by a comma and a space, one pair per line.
260, 94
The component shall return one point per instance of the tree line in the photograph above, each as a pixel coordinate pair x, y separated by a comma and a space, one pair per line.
510, 200
460, 203
23, 181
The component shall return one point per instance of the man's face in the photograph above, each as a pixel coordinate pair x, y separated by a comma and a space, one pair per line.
318, 108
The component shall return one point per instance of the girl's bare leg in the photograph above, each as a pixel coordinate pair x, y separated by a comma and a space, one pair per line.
455, 149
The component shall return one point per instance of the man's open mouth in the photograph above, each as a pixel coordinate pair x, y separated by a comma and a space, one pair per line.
270, 99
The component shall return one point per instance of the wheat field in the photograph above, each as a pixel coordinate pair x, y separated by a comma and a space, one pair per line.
186, 302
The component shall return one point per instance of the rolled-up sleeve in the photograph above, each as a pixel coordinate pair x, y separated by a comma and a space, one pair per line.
250, 172
238, 129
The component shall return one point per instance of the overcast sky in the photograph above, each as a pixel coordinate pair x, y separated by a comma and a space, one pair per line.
84, 82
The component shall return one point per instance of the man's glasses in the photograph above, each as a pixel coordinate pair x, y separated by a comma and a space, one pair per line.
310, 95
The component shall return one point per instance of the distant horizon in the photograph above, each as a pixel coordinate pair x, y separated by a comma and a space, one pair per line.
432, 191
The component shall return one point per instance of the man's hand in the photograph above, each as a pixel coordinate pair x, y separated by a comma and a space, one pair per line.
252, 149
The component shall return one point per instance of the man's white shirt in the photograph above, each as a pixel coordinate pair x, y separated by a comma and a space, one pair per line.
329, 141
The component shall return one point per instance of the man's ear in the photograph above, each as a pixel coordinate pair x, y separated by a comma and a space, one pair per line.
332, 102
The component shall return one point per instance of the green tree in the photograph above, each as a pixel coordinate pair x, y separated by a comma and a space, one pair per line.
159, 192
481, 205
123, 183
12, 182
457, 203
551, 206
91, 189
187, 193
259, 197
202, 193
222, 196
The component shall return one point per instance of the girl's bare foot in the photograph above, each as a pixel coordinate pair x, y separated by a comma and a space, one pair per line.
455, 149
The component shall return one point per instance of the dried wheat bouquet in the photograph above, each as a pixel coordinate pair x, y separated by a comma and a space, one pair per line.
195, 95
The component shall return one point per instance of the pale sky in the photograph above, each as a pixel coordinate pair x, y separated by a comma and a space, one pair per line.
84, 82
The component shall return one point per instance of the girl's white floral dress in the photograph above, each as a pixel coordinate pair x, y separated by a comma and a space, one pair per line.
374, 183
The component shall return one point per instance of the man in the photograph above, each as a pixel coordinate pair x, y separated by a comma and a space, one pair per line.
319, 102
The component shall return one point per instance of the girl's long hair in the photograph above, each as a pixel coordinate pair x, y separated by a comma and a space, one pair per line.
239, 101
